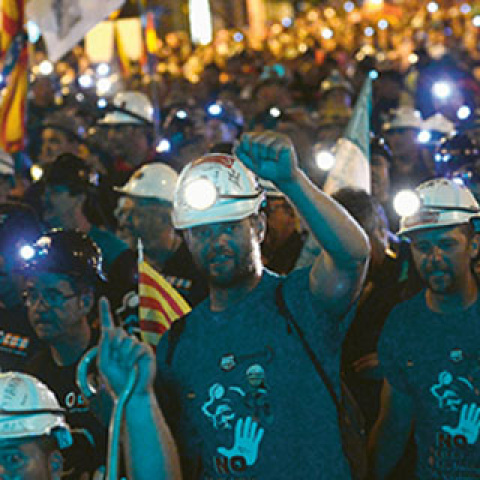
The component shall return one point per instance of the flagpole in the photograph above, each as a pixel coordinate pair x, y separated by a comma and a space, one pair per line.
140, 250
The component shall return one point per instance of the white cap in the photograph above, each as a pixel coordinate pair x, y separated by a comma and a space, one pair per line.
29, 409
154, 180
135, 102
443, 202
439, 123
404, 117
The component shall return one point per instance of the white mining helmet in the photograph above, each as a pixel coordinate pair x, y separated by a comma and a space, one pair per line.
154, 180
215, 188
442, 202
404, 117
136, 103
29, 409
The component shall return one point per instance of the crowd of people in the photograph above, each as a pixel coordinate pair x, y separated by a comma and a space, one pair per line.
299, 298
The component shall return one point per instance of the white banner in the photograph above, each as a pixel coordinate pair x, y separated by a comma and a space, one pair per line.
64, 23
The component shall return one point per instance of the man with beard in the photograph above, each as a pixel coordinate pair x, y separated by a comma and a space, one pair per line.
429, 348
239, 391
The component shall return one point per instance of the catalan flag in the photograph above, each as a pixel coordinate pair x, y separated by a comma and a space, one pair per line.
15, 64
160, 303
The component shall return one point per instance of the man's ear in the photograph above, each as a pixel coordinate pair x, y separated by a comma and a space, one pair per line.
87, 300
55, 465
475, 246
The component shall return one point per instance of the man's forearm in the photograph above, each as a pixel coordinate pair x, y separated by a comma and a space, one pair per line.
149, 447
334, 228
389, 435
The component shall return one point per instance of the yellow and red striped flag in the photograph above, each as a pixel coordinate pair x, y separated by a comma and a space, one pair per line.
160, 303
14, 56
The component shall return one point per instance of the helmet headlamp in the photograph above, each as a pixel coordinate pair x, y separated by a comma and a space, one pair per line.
215, 110
202, 194
27, 252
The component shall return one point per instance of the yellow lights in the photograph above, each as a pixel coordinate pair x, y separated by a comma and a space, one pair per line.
329, 12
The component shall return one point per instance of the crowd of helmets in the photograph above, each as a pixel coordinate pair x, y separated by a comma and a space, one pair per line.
108, 150
423, 116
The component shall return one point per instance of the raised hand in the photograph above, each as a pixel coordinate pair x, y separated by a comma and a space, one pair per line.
270, 155
119, 353
247, 440
468, 424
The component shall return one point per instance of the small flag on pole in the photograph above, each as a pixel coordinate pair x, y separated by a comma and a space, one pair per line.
352, 150
160, 303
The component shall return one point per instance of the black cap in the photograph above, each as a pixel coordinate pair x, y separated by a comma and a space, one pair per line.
68, 252
68, 170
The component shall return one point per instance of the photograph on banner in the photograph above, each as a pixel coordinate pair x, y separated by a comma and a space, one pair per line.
64, 23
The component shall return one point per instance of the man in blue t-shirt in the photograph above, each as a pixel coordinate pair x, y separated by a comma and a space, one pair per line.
429, 348
241, 395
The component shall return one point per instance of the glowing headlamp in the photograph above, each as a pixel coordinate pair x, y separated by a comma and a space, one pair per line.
406, 203
463, 112
163, 146
275, 112
85, 81
181, 114
215, 110
36, 172
325, 160
27, 252
424, 136
202, 194
442, 90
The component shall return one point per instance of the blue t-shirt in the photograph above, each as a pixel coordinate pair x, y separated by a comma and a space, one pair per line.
242, 397
435, 359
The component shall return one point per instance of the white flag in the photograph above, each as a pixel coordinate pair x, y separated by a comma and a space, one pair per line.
64, 23
352, 150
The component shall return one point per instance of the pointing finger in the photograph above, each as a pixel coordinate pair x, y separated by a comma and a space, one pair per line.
106, 319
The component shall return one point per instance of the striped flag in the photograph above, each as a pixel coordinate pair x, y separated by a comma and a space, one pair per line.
352, 150
15, 64
160, 303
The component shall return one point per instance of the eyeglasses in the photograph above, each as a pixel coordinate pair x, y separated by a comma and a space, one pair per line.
50, 296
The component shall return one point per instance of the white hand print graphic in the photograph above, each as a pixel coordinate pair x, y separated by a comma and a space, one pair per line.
468, 424
247, 440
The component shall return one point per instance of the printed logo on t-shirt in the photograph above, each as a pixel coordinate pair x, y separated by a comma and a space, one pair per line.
14, 343
242, 411
452, 452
